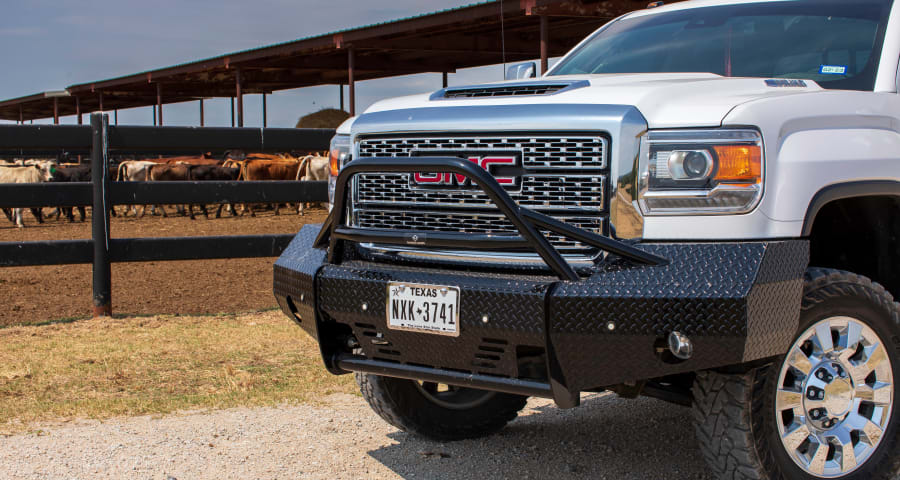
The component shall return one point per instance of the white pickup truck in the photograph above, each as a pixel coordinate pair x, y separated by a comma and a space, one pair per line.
699, 203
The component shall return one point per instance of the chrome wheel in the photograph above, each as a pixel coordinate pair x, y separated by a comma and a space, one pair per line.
834, 398
452, 397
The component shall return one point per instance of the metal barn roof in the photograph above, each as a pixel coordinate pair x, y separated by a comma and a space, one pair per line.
443, 41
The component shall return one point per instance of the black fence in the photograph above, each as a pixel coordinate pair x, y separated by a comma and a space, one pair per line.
99, 141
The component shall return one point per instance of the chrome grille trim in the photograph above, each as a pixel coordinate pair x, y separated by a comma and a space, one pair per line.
454, 222
556, 192
556, 152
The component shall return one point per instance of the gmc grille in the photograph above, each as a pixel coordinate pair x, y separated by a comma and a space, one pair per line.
566, 176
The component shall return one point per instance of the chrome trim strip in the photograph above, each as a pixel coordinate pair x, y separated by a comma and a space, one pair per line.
625, 219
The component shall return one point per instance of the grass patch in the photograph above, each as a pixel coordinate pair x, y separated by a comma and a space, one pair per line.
100, 368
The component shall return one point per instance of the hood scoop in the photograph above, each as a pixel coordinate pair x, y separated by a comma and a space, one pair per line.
508, 90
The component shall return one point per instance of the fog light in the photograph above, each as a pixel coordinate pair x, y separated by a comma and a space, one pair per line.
680, 345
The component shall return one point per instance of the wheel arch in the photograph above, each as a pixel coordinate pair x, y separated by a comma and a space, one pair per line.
854, 226
847, 190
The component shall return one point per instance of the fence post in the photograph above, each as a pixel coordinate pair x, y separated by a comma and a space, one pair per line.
100, 215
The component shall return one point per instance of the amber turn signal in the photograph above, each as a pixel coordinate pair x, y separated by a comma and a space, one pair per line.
334, 161
739, 163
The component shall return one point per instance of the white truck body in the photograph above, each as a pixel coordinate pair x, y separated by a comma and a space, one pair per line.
743, 225
813, 137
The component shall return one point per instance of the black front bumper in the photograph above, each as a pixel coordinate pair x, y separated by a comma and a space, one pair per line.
543, 336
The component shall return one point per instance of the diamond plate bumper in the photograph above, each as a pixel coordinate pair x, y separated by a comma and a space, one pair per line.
737, 302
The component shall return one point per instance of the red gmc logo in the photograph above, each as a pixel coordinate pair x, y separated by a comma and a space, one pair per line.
426, 180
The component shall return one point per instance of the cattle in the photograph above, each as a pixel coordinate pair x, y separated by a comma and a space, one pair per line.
312, 168
201, 160
24, 174
41, 162
211, 173
256, 170
171, 173
133, 171
72, 174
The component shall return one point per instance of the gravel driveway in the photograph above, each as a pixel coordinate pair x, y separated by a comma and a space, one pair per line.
606, 438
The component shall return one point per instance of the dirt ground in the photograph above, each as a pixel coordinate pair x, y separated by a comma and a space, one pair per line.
31, 295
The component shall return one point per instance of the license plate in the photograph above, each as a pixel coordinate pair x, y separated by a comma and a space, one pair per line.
423, 308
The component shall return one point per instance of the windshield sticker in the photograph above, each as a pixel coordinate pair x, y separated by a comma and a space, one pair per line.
833, 70
785, 83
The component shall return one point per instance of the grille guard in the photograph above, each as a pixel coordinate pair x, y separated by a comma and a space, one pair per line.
526, 221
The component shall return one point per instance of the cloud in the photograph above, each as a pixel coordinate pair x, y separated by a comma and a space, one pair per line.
21, 31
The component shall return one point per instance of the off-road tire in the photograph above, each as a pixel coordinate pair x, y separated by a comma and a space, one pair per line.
737, 438
400, 403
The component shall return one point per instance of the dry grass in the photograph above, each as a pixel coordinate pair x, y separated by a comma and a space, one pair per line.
108, 367
325, 118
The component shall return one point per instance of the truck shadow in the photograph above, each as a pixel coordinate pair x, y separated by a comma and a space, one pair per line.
607, 437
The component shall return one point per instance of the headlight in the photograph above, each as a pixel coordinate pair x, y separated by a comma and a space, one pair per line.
338, 156
701, 172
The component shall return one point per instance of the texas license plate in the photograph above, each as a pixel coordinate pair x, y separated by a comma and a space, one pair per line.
423, 308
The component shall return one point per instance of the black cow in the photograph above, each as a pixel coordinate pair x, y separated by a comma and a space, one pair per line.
74, 174
71, 174
212, 173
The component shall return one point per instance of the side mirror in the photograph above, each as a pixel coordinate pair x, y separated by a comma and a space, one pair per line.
521, 70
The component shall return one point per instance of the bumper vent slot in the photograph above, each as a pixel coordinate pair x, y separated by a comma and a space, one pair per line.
519, 89
504, 91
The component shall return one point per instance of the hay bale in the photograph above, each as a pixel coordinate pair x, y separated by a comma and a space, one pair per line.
325, 118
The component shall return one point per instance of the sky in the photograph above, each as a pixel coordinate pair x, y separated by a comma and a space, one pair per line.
51, 44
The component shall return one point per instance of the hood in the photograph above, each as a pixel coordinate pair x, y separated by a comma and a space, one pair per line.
666, 100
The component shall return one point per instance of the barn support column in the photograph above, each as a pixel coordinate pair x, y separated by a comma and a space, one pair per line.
545, 44
240, 97
351, 67
159, 103
444, 79
116, 116
265, 119
341, 90
202, 120
232, 112
21, 115
55, 111
101, 101
78, 109
154, 115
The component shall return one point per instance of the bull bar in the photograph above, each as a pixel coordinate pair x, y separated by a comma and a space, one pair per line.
740, 303
526, 221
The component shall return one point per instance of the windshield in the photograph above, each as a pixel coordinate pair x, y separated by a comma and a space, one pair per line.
835, 43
